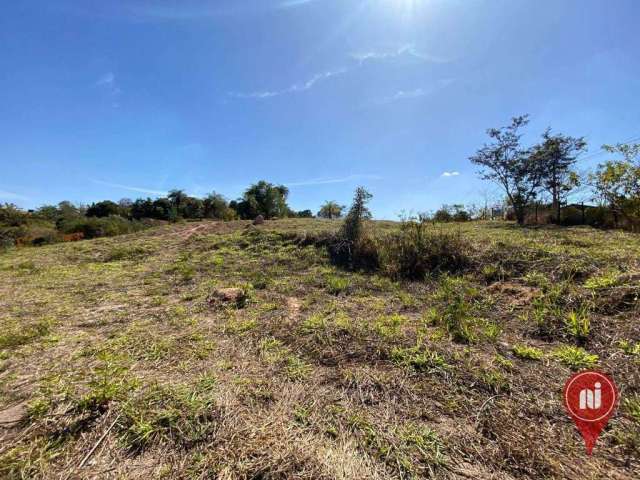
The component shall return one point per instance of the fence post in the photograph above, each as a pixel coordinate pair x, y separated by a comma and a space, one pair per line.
583, 215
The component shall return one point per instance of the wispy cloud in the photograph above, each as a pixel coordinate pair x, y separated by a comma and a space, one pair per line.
416, 93
327, 181
107, 83
130, 188
5, 195
450, 174
404, 50
402, 94
294, 3
295, 88
407, 50
164, 11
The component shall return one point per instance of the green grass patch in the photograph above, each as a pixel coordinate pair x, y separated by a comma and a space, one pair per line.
527, 352
604, 280
575, 357
419, 359
14, 333
336, 284
181, 415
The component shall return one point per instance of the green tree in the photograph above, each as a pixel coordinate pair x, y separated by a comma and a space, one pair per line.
557, 155
304, 214
443, 214
177, 198
47, 212
104, 208
617, 182
192, 208
67, 212
264, 199
513, 167
331, 209
216, 206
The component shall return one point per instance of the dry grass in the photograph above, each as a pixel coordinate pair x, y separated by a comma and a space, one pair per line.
115, 364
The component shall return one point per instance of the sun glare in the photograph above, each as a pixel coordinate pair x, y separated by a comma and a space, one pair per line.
405, 6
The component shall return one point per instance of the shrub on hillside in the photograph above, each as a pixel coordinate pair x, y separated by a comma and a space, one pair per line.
451, 213
94, 227
414, 252
442, 215
599, 217
12, 216
32, 233
418, 250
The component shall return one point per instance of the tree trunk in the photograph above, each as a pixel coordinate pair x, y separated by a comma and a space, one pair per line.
520, 214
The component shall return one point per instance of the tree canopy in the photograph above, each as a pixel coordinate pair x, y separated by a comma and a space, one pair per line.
263, 198
512, 166
557, 154
331, 209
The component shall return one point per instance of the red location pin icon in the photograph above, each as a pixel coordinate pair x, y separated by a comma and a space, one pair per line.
590, 399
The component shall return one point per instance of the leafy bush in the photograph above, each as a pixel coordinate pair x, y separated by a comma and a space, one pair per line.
572, 216
12, 216
442, 215
600, 217
32, 233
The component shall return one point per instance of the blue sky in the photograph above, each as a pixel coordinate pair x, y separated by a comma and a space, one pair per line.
132, 98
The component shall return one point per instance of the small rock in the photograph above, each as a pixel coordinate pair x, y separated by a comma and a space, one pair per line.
13, 415
236, 295
259, 220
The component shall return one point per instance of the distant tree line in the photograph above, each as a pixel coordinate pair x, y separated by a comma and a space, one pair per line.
262, 198
527, 175
51, 223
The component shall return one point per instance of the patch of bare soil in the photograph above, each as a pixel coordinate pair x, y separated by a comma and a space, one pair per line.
514, 294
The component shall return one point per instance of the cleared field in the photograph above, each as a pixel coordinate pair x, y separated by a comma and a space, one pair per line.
118, 359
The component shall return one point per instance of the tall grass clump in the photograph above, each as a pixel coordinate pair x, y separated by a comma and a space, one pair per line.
455, 309
353, 247
418, 250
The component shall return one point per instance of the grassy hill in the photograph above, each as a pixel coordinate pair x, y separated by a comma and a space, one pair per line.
123, 358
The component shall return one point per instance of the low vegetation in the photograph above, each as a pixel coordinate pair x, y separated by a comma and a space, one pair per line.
228, 350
